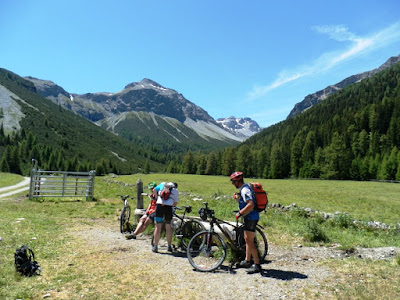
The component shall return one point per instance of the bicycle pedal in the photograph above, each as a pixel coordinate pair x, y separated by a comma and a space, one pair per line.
179, 235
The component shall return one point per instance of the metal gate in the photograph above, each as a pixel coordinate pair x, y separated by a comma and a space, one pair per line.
61, 183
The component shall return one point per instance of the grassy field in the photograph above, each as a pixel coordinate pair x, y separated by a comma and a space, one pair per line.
9, 179
42, 224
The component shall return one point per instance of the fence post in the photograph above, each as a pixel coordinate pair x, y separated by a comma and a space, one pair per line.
32, 185
90, 186
139, 191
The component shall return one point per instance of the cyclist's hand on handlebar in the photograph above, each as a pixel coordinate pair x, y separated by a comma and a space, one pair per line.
237, 216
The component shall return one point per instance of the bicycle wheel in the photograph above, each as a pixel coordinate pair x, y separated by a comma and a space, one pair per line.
206, 251
262, 244
188, 230
124, 219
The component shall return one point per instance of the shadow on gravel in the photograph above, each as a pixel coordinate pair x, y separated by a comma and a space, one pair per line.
179, 254
282, 275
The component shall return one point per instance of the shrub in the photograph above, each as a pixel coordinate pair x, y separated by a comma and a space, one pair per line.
342, 220
397, 260
314, 232
298, 212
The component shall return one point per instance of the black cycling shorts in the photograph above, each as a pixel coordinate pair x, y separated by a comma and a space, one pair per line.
250, 225
152, 215
163, 212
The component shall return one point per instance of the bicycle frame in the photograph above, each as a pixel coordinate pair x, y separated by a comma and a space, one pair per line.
179, 231
204, 246
232, 243
183, 216
125, 214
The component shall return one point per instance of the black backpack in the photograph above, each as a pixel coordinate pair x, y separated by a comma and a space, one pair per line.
25, 263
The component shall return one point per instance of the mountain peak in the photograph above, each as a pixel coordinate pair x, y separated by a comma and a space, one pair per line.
241, 127
145, 82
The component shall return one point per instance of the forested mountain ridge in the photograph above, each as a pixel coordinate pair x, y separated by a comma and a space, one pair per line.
352, 134
58, 138
312, 99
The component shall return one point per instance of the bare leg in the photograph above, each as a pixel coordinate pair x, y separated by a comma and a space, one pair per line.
168, 232
157, 233
251, 249
143, 223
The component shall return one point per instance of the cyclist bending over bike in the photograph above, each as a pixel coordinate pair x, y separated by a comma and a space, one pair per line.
164, 211
149, 215
245, 199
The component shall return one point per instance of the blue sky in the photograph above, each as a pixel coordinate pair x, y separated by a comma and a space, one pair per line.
232, 58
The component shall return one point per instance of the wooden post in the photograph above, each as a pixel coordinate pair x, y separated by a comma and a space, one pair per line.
139, 197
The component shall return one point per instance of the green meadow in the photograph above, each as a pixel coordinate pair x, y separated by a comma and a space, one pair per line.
43, 223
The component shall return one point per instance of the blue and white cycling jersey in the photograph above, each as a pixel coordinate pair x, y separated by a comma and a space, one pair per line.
246, 195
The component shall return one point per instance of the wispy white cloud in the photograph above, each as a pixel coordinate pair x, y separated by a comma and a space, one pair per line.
359, 45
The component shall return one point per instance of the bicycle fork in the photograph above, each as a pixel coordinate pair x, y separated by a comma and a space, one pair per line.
210, 234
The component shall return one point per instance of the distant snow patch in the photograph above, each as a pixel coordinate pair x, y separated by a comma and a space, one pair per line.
158, 87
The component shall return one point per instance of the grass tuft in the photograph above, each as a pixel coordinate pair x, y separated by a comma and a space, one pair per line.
314, 232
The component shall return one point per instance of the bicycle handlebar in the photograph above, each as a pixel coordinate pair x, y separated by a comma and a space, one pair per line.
125, 197
205, 213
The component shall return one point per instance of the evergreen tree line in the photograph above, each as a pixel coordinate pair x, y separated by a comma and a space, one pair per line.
353, 134
21, 148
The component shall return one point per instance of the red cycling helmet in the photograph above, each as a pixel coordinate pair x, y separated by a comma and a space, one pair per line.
235, 176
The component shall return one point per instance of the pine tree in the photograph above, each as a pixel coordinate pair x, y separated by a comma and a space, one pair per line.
244, 160
228, 161
295, 154
15, 165
211, 167
171, 167
146, 168
4, 166
277, 162
201, 164
189, 166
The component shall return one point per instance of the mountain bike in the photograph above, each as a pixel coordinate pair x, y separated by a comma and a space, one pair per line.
183, 228
125, 215
207, 249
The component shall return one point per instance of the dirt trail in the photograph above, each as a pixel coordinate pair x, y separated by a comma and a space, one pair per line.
286, 272
16, 188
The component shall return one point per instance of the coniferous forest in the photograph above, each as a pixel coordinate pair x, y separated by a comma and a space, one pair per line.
353, 134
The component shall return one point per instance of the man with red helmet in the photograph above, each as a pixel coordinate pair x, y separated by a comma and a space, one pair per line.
245, 199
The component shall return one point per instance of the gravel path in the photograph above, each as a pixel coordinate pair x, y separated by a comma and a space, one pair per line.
285, 273
16, 188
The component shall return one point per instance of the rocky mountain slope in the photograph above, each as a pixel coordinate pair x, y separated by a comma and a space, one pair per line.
244, 127
140, 101
312, 99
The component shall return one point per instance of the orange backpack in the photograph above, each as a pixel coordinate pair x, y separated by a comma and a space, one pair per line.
260, 196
